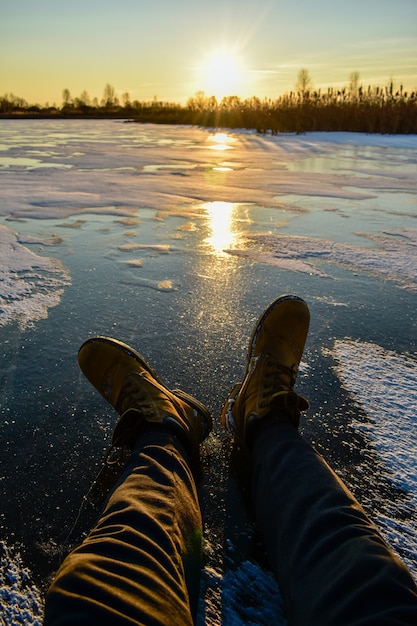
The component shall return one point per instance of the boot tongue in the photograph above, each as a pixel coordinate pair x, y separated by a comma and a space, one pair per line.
271, 387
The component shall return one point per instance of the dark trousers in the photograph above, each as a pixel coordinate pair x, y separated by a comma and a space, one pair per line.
332, 566
141, 563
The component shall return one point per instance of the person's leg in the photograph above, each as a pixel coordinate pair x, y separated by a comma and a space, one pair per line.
331, 563
141, 562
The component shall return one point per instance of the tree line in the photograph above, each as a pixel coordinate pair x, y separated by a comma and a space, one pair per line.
352, 109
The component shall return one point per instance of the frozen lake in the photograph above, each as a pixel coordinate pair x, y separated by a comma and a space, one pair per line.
174, 239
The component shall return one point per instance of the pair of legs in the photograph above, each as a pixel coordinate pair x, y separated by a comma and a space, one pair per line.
141, 562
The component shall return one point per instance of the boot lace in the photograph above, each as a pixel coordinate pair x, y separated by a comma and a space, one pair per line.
134, 396
278, 378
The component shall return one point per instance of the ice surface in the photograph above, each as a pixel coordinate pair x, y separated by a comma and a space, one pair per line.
124, 226
258, 169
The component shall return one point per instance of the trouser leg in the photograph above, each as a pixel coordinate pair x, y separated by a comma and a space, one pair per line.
141, 563
332, 566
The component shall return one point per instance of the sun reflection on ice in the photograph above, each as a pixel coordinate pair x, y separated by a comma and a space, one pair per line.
221, 141
208, 309
223, 224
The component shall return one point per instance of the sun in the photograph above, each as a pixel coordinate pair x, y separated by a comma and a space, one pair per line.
222, 74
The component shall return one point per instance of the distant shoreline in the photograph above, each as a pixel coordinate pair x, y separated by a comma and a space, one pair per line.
372, 115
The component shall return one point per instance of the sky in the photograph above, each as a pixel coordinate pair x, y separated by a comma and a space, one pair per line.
170, 49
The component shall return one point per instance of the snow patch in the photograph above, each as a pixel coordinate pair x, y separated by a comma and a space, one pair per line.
30, 284
384, 384
21, 600
395, 257
246, 595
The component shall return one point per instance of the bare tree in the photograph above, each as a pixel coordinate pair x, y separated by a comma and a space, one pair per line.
66, 97
198, 101
84, 99
304, 82
109, 95
231, 103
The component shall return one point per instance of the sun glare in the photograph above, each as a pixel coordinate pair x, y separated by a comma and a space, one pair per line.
222, 74
221, 142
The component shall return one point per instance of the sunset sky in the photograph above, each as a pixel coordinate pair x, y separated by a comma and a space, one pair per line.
169, 49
